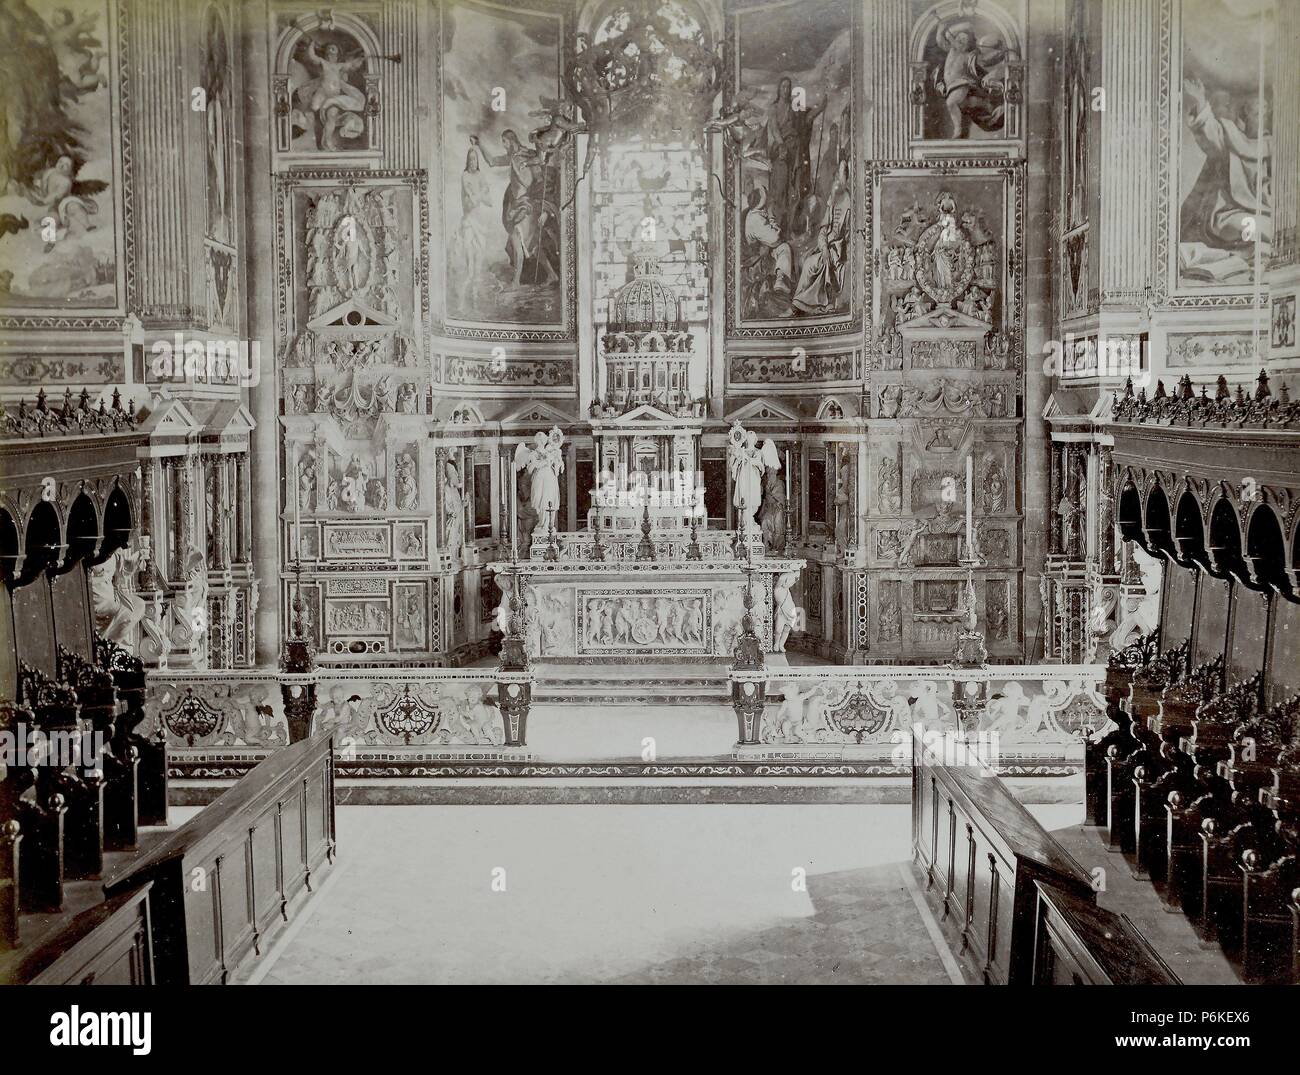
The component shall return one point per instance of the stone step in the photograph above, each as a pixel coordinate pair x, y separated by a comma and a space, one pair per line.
623, 684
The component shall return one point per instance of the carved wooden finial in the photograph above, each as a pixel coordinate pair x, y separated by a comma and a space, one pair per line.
1262, 391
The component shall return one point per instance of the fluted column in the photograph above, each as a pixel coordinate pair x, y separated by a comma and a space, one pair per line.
1286, 139
886, 29
1129, 125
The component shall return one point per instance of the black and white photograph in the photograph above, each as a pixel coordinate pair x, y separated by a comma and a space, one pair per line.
651, 492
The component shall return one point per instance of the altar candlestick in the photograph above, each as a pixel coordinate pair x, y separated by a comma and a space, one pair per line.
970, 503
297, 507
514, 514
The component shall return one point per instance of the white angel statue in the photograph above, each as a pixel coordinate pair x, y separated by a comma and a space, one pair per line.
747, 461
544, 461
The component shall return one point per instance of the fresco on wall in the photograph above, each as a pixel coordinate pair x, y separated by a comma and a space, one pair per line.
219, 155
58, 218
503, 188
795, 192
1075, 153
1223, 166
962, 72
328, 90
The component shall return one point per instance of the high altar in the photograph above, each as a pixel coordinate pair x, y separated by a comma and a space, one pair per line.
645, 597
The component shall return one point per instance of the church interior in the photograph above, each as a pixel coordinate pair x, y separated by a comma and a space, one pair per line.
649, 492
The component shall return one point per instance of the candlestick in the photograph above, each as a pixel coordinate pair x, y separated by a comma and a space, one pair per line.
514, 516
970, 500
297, 507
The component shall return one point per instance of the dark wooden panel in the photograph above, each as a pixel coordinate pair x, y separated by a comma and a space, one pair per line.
990, 851
34, 624
1250, 614
1283, 673
110, 944
1210, 636
1177, 602
72, 615
8, 646
1078, 943
250, 846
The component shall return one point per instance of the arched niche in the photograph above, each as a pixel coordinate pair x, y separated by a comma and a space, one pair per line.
1157, 528
42, 541
1265, 551
1189, 530
82, 530
118, 523
991, 28
10, 547
33, 607
1129, 518
310, 123
1224, 540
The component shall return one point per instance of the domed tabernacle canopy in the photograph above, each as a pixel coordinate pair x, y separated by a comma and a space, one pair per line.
647, 345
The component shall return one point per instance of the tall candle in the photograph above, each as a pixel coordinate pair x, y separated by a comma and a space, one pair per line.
787, 474
514, 512
297, 507
970, 503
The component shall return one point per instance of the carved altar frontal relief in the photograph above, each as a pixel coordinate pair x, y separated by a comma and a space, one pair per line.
791, 172
1220, 123
62, 244
508, 247
668, 622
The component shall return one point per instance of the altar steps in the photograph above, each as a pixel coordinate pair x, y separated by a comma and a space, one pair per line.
622, 684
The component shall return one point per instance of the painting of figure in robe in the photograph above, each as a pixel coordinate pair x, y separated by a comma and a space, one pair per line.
504, 192
1224, 166
219, 116
795, 159
966, 72
58, 214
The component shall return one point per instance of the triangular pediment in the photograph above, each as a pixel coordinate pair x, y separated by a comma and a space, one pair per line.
944, 319
171, 419
231, 419
535, 413
644, 412
763, 410
349, 316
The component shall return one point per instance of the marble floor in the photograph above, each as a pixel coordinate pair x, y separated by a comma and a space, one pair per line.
618, 894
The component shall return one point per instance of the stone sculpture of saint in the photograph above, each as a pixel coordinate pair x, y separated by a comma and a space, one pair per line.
453, 506
544, 462
747, 462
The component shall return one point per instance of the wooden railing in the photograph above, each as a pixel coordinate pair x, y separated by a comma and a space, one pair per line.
989, 866
229, 880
